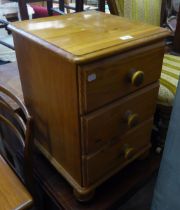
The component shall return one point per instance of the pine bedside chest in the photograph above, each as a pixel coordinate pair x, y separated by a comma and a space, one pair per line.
90, 81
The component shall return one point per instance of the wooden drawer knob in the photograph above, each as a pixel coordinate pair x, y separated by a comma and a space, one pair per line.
137, 78
128, 152
132, 119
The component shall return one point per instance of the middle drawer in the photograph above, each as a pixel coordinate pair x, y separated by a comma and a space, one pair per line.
104, 125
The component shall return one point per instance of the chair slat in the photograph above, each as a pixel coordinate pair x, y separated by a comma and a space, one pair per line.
13, 97
14, 115
13, 128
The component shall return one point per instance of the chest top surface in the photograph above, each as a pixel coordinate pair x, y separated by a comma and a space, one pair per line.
89, 34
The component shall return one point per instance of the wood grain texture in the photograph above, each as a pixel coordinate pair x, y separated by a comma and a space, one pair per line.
112, 75
111, 157
108, 195
108, 124
13, 195
50, 93
56, 56
96, 34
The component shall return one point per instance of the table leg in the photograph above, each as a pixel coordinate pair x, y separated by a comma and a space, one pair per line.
79, 5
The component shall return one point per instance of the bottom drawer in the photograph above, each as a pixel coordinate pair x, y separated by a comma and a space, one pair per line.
116, 155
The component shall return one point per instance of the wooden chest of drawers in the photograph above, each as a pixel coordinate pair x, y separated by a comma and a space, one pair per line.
90, 81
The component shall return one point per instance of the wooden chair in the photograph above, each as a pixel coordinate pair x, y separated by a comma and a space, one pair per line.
64, 4
16, 138
79, 6
50, 10
24, 12
24, 16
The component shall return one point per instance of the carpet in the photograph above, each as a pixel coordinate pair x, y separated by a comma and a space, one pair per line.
6, 54
142, 199
3, 62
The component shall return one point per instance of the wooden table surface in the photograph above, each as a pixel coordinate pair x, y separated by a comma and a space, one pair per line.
97, 35
13, 195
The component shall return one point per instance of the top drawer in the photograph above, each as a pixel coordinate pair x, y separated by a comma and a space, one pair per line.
104, 81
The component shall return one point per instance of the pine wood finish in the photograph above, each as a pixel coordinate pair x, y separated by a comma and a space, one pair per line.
13, 195
117, 154
112, 119
79, 76
112, 76
58, 190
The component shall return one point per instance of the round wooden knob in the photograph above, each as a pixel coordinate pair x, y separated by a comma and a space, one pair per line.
132, 119
128, 152
137, 78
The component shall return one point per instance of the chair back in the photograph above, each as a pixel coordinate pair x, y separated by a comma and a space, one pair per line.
148, 11
23, 10
15, 136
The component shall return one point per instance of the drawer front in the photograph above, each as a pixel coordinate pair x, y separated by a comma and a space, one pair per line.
114, 157
109, 79
107, 124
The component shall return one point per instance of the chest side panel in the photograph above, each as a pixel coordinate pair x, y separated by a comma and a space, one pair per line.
49, 85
